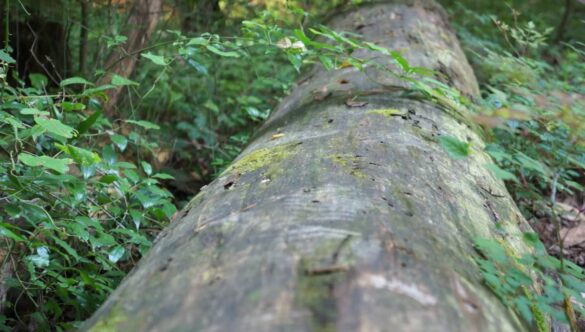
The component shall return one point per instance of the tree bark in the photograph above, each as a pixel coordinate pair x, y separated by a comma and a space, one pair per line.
142, 20
83, 31
354, 220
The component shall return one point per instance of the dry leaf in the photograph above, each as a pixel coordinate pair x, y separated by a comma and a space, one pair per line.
573, 236
321, 94
276, 136
355, 103
284, 43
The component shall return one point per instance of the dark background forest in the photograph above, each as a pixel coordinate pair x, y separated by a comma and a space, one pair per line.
114, 113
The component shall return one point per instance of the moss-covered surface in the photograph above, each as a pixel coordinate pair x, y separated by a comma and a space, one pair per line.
110, 323
388, 112
260, 255
316, 294
349, 163
261, 157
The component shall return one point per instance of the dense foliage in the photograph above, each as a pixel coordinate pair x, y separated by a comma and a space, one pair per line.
84, 190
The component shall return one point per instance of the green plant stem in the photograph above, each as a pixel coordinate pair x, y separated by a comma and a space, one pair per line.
137, 52
569, 310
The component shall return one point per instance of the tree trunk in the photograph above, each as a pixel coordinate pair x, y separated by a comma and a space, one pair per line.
354, 220
83, 31
142, 20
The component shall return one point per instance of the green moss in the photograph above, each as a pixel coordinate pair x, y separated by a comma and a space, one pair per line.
254, 296
110, 322
316, 294
260, 158
349, 163
404, 200
388, 112
424, 135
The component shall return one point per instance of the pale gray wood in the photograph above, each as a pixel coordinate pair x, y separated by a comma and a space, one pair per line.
354, 220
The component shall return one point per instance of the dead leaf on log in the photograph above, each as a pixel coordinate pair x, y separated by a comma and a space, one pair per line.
321, 94
355, 103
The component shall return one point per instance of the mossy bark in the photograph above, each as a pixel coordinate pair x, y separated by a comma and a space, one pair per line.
353, 219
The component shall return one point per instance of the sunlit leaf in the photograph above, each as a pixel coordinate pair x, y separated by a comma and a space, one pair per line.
58, 165
81, 156
156, 59
219, 52
41, 259
144, 124
118, 80
454, 147
5, 57
56, 127
74, 80
33, 111
500, 173
116, 254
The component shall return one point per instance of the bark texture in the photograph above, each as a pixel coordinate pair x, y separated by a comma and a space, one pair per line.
354, 220
143, 18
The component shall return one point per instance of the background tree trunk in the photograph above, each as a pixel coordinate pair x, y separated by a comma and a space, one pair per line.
83, 31
142, 20
355, 219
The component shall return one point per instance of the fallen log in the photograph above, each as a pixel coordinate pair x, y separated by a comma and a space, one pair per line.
338, 215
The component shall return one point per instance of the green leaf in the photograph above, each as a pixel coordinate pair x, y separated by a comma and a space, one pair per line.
33, 111
116, 254
5, 231
41, 259
67, 248
120, 141
327, 62
377, 48
163, 176
56, 127
58, 165
116, 40
492, 249
87, 123
136, 217
500, 173
67, 106
81, 156
99, 91
402, 62
5, 57
529, 163
123, 164
147, 167
118, 80
197, 41
133, 176
454, 147
296, 60
74, 80
156, 59
144, 124
109, 178
300, 34
38, 81
219, 52
102, 240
